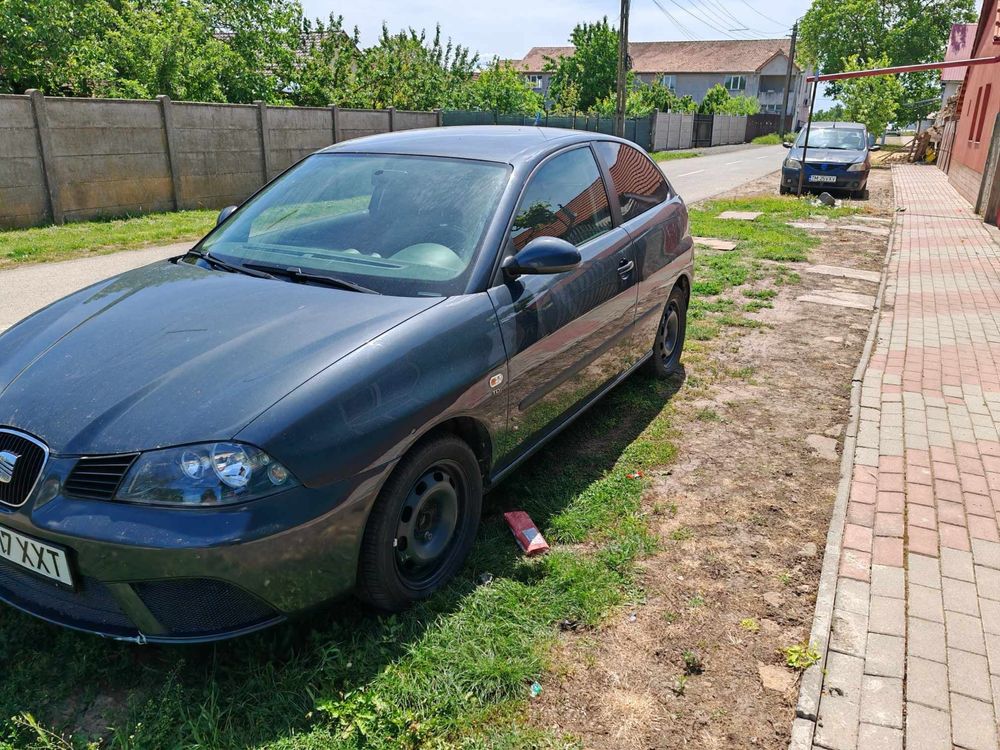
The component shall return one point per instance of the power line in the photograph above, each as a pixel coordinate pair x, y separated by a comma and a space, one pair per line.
684, 30
704, 21
741, 26
765, 17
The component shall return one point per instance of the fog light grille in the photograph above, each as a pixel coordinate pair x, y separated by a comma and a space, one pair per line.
199, 606
97, 478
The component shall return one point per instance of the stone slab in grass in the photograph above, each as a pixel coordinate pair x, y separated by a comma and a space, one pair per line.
840, 299
714, 243
740, 215
818, 226
845, 273
877, 231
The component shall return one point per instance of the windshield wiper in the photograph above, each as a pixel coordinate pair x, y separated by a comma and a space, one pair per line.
297, 274
219, 263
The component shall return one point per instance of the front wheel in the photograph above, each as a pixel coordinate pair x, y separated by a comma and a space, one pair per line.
669, 342
422, 526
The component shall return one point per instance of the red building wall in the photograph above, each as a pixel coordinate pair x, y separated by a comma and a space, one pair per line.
979, 106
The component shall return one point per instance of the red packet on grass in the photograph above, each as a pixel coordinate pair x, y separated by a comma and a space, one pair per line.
528, 537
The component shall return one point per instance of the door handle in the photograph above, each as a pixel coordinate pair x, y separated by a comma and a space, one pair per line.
625, 267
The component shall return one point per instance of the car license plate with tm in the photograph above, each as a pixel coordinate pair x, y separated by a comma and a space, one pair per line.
822, 178
38, 557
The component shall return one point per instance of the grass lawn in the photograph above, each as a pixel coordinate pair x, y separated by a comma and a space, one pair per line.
80, 239
672, 155
457, 671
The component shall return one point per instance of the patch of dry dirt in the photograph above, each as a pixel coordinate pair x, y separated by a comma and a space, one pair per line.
742, 516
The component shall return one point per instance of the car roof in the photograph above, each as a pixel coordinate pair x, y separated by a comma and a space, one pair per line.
839, 125
503, 143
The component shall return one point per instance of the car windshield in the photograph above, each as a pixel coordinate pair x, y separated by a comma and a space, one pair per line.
850, 139
399, 225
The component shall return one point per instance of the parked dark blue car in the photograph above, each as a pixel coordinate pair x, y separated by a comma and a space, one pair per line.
313, 400
838, 159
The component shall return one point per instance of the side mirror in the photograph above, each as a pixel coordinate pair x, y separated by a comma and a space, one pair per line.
875, 147
786, 144
225, 214
542, 255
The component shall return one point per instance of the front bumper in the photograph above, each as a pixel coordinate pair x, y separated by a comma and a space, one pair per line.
188, 575
842, 179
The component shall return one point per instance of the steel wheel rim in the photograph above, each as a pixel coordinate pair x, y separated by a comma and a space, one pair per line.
427, 523
669, 331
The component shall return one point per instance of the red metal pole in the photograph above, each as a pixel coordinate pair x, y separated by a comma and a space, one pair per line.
906, 69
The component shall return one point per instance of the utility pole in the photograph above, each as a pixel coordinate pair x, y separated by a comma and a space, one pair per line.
620, 92
788, 80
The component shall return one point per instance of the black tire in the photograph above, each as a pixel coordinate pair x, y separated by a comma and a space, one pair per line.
669, 342
860, 195
782, 190
435, 492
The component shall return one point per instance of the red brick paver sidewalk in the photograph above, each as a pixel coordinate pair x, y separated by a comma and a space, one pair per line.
914, 652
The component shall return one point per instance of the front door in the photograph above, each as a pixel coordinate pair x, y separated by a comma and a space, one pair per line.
569, 334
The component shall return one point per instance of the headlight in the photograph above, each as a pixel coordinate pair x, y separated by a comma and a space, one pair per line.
858, 166
793, 164
209, 474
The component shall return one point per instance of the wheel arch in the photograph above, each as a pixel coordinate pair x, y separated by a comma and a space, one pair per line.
469, 429
684, 284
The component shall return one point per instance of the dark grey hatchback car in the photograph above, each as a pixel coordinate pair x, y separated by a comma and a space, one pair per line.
313, 400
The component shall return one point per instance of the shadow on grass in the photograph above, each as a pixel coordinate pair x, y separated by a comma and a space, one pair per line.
343, 676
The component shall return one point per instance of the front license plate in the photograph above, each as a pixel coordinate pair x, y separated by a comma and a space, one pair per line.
38, 557
822, 178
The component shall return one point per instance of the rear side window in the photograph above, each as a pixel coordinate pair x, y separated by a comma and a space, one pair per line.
638, 183
565, 198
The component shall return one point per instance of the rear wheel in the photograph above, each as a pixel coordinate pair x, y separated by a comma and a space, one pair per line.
669, 342
422, 526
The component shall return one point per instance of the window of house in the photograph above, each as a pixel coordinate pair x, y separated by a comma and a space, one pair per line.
736, 83
982, 112
565, 198
638, 184
670, 81
534, 81
975, 114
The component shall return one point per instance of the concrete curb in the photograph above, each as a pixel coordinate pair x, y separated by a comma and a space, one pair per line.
811, 686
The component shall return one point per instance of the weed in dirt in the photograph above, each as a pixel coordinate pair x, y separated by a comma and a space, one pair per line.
784, 276
750, 625
680, 685
670, 617
761, 294
708, 414
757, 306
800, 656
682, 534
744, 373
697, 601
693, 663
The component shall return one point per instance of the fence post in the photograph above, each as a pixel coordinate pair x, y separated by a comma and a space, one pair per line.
574, 119
265, 139
440, 117
392, 119
334, 111
170, 139
45, 151
652, 128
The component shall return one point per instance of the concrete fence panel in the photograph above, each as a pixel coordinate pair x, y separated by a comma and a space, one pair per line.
220, 158
75, 159
24, 199
356, 123
296, 132
673, 131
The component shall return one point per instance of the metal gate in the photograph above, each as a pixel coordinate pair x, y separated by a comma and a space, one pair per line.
703, 130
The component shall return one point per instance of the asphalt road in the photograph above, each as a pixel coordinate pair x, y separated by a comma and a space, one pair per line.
24, 290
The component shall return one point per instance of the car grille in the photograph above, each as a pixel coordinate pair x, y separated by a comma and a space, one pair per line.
30, 457
97, 478
91, 606
200, 606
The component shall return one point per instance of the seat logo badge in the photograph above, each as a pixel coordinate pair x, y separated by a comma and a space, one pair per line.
496, 380
7, 461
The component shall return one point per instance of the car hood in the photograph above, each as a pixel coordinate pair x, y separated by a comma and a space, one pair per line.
172, 353
828, 156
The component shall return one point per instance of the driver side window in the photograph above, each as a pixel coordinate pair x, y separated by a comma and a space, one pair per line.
565, 198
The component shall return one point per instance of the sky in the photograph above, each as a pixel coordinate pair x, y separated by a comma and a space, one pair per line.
510, 28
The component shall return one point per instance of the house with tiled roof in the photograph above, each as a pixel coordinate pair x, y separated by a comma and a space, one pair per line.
752, 67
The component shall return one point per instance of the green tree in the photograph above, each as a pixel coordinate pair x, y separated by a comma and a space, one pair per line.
407, 71
500, 88
325, 72
715, 101
591, 72
833, 114
904, 31
872, 100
